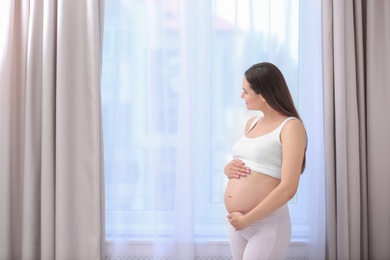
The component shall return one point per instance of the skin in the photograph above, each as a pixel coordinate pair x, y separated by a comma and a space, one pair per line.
251, 196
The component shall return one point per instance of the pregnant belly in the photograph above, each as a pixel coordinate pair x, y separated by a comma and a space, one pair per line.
244, 194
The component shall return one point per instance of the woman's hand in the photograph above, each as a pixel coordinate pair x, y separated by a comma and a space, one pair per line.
237, 220
236, 169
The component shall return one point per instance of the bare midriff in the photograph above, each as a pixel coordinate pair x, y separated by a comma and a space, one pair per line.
245, 193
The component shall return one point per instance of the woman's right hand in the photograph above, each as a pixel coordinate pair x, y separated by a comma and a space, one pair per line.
236, 169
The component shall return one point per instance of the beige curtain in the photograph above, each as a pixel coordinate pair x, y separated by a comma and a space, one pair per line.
51, 170
356, 40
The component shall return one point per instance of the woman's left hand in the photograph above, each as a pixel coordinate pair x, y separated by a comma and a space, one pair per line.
237, 220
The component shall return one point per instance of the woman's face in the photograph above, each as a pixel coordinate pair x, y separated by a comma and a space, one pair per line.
252, 100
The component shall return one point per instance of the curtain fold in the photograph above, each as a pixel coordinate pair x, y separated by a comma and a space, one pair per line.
342, 132
355, 57
377, 67
51, 139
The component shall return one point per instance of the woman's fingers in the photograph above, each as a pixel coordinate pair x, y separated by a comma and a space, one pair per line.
236, 169
240, 166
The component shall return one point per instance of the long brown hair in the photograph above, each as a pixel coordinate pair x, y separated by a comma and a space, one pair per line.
267, 80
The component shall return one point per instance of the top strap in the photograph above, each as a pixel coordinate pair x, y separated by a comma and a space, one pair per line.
279, 128
253, 124
285, 121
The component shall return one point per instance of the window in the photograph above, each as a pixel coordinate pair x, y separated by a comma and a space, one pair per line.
171, 88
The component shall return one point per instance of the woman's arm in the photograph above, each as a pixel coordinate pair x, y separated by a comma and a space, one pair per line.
236, 168
293, 138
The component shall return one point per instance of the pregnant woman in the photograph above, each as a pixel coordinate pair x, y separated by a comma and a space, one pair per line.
266, 167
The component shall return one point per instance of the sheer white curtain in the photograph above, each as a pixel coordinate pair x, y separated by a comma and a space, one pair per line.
171, 86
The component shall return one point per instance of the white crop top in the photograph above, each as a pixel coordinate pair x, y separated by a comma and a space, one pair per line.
263, 153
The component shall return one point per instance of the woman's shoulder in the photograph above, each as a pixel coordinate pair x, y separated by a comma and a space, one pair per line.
252, 119
293, 121
250, 122
293, 127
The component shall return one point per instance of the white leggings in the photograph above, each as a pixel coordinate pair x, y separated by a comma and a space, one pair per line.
265, 239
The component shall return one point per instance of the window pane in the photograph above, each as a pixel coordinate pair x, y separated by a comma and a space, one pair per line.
152, 51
